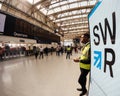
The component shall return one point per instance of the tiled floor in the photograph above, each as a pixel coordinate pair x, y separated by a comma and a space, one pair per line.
51, 76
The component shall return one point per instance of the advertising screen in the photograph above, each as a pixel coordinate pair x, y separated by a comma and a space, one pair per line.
104, 24
2, 22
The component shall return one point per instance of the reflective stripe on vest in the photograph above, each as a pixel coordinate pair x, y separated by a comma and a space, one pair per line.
84, 56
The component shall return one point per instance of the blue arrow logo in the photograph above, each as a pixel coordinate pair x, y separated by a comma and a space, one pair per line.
98, 59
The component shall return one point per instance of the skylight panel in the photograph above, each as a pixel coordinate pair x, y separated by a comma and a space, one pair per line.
73, 5
83, 3
50, 11
57, 9
30, 1
51, 17
38, 6
72, 0
61, 3
54, 5
44, 11
63, 7
33, 1
92, 2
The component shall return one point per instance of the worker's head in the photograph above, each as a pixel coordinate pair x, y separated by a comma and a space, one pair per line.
68, 46
85, 38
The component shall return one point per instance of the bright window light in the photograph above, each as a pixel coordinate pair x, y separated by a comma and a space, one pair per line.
30, 1
33, 1
0, 5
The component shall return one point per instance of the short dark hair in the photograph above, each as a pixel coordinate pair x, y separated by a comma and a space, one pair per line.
87, 35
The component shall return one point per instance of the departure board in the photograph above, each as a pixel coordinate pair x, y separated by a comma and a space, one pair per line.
13, 26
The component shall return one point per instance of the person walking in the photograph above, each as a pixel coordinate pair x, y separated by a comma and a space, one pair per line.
68, 52
1, 53
36, 52
41, 52
84, 61
46, 51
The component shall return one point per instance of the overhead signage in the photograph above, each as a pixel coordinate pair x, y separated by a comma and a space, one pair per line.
20, 35
104, 23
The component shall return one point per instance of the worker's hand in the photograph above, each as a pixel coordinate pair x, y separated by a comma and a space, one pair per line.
76, 60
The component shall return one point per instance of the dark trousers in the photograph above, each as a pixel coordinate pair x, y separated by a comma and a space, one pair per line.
36, 55
1, 57
41, 55
82, 79
68, 55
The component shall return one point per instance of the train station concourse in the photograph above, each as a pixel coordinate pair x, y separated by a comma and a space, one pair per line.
59, 47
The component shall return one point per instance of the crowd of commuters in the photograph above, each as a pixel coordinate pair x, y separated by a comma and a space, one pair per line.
39, 52
8, 52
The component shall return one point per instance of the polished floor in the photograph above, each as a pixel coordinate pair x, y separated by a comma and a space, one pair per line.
51, 76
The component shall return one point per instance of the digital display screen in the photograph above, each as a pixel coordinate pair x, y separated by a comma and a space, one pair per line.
2, 22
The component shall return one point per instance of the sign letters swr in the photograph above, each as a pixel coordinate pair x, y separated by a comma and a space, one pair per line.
106, 32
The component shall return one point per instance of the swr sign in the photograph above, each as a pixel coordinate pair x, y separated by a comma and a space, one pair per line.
105, 31
104, 24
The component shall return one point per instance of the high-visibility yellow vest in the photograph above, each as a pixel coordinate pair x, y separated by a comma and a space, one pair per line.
84, 56
68, 49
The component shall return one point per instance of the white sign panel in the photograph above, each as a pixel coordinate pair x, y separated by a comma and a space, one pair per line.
2, 22
104, 23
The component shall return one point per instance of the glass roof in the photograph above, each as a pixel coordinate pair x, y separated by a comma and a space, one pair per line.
67, 14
